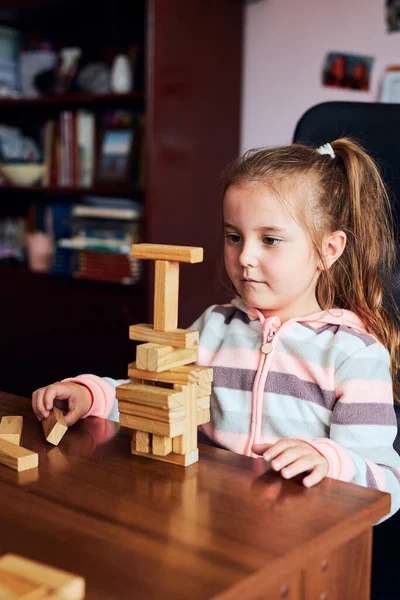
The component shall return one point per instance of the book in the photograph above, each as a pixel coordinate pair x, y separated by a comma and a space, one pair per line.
105, 245
82, 210
86, 142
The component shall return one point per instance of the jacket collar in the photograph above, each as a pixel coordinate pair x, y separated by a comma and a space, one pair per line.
335, 316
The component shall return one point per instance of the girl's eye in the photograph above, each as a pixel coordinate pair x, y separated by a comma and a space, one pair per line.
232, 238
270, 241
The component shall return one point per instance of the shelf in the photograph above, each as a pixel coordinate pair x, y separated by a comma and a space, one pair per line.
54, 190
18, 272
72, 99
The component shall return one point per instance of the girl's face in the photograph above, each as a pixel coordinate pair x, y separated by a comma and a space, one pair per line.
269, 257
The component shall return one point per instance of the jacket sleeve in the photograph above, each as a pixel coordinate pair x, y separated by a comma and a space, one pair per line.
102, 390
364, 426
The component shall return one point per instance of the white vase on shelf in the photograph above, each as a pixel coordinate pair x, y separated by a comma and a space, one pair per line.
121, 75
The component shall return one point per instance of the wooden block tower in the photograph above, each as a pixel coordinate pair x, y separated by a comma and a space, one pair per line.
169, 395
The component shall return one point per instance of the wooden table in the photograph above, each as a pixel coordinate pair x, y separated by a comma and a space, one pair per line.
223, 528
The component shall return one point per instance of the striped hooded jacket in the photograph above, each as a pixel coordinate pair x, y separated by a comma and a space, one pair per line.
320, 378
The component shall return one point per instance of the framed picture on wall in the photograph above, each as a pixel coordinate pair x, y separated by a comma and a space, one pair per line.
391, 85
117, 155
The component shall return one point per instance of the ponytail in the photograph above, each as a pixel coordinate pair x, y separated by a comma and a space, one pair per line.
360, 280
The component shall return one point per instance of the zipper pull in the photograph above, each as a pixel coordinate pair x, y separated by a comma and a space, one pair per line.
266, 348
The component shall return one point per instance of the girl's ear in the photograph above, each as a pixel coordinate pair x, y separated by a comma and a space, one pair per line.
332, 248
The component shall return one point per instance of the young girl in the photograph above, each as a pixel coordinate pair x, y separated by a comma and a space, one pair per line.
305, 357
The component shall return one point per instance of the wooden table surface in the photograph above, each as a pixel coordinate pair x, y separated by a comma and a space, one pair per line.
223, 528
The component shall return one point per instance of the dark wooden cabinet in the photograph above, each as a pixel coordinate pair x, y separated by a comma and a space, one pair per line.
189, 88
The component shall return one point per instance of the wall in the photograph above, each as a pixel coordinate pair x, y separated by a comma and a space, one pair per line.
285, 43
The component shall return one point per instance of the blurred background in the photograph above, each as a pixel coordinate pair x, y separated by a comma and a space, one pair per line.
116, 120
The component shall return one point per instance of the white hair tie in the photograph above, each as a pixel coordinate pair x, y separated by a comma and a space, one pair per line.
326, 149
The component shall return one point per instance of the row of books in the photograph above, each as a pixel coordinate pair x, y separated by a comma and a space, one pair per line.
82, 149
93, 239
99, 266
70, 149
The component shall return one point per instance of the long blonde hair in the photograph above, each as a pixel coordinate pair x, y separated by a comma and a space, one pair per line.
342, 193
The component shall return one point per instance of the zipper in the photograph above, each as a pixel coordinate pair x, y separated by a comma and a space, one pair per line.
269, 327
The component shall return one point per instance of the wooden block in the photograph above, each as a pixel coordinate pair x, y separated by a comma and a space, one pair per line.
184, 460
54, 426
17, 457
141, 356
203, 402
163, 358
191, 417
178, 446
187, 442
11, 429
179, 338
179, 375
200, 374
145, 352
187, 254
14, 586
162, 445
166, 295
149, 412
157, 427
60, 584
203, 416
150, 395
143, 441
203, 389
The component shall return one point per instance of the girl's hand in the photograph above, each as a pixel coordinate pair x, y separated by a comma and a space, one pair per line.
77, 397
292, 457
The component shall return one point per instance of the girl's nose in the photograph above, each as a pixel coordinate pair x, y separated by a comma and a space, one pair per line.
248, 256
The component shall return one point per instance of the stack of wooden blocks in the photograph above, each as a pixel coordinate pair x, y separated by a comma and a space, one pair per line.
169, 395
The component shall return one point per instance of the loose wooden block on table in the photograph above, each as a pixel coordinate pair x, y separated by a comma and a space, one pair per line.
11, 429
178, 338
13, 587
38, 580
16, 457
54, 426
186, 254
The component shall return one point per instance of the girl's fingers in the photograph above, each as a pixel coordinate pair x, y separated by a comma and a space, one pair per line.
304, 463
38, 404
260, 448
49, 396
73, 415
317, 475
278, 448
288, 456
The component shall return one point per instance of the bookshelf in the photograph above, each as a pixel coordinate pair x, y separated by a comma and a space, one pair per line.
187, 86
80, 98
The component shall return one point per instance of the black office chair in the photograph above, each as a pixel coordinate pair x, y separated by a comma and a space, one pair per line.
375, 126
